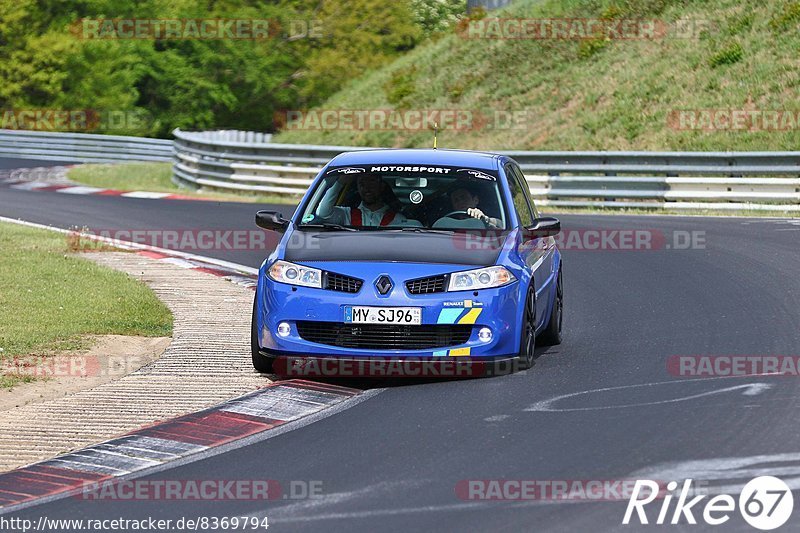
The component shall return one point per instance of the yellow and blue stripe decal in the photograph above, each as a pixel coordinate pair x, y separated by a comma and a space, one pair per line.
471, 316
450, 315
453, 315
455, 352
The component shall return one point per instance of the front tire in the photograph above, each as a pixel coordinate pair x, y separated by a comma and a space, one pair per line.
260, 363
527, 341
552, 335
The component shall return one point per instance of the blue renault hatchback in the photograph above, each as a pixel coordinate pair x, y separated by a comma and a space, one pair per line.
421, 255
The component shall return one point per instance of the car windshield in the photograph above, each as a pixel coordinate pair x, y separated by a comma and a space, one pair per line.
393, 197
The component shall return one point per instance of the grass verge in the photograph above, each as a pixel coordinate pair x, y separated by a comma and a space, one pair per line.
51, 300
157, 177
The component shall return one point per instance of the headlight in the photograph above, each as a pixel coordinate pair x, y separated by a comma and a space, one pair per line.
286, 272
481, 278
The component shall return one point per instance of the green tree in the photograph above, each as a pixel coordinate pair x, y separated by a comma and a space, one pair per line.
46, 61
357, 35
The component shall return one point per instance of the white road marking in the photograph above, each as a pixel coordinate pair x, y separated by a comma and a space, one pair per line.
31, 185
178, 262
80, 189
705, 472
717, 475
789, 221
281, 516
748, 389
145, 194
495, 418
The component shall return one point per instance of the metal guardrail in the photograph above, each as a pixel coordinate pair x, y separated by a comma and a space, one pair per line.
676, 180
82, 147
246, 161
243, 161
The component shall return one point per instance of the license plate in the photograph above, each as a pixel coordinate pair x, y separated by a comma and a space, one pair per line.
362, 314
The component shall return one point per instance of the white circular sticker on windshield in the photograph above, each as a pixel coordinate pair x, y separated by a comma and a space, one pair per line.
415, 197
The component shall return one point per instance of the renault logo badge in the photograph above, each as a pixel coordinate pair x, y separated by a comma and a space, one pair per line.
384, 285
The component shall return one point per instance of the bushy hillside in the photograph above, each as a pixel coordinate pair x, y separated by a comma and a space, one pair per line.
598, 92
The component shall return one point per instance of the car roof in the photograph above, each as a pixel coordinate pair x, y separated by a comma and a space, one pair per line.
418, 156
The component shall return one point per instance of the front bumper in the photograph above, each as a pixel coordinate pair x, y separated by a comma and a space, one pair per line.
498, 309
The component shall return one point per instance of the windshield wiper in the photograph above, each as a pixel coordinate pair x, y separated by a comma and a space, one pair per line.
428, 230
331, 225
327, 225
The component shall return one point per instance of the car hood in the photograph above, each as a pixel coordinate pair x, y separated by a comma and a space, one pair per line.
462, 248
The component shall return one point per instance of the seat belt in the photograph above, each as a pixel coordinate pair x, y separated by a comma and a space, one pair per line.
356, 217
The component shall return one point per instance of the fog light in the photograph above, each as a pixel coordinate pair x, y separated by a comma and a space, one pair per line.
284, 329
485, 334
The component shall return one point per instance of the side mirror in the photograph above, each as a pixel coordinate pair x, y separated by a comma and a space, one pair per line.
543, 227
271, 220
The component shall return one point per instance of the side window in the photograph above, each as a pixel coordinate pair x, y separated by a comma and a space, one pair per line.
519, 197
527, 190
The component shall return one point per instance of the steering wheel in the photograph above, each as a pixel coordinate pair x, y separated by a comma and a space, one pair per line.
459, 215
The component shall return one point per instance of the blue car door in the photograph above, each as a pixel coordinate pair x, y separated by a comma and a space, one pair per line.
536, 252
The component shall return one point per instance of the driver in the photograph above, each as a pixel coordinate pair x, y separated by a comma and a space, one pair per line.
464, 200
372, 211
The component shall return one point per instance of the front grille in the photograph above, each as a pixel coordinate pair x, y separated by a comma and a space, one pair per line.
342, 283
384, 336
426, 285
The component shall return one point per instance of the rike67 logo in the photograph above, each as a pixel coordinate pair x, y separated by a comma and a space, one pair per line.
765, 503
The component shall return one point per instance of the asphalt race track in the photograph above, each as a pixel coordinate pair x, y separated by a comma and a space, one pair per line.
393, 461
